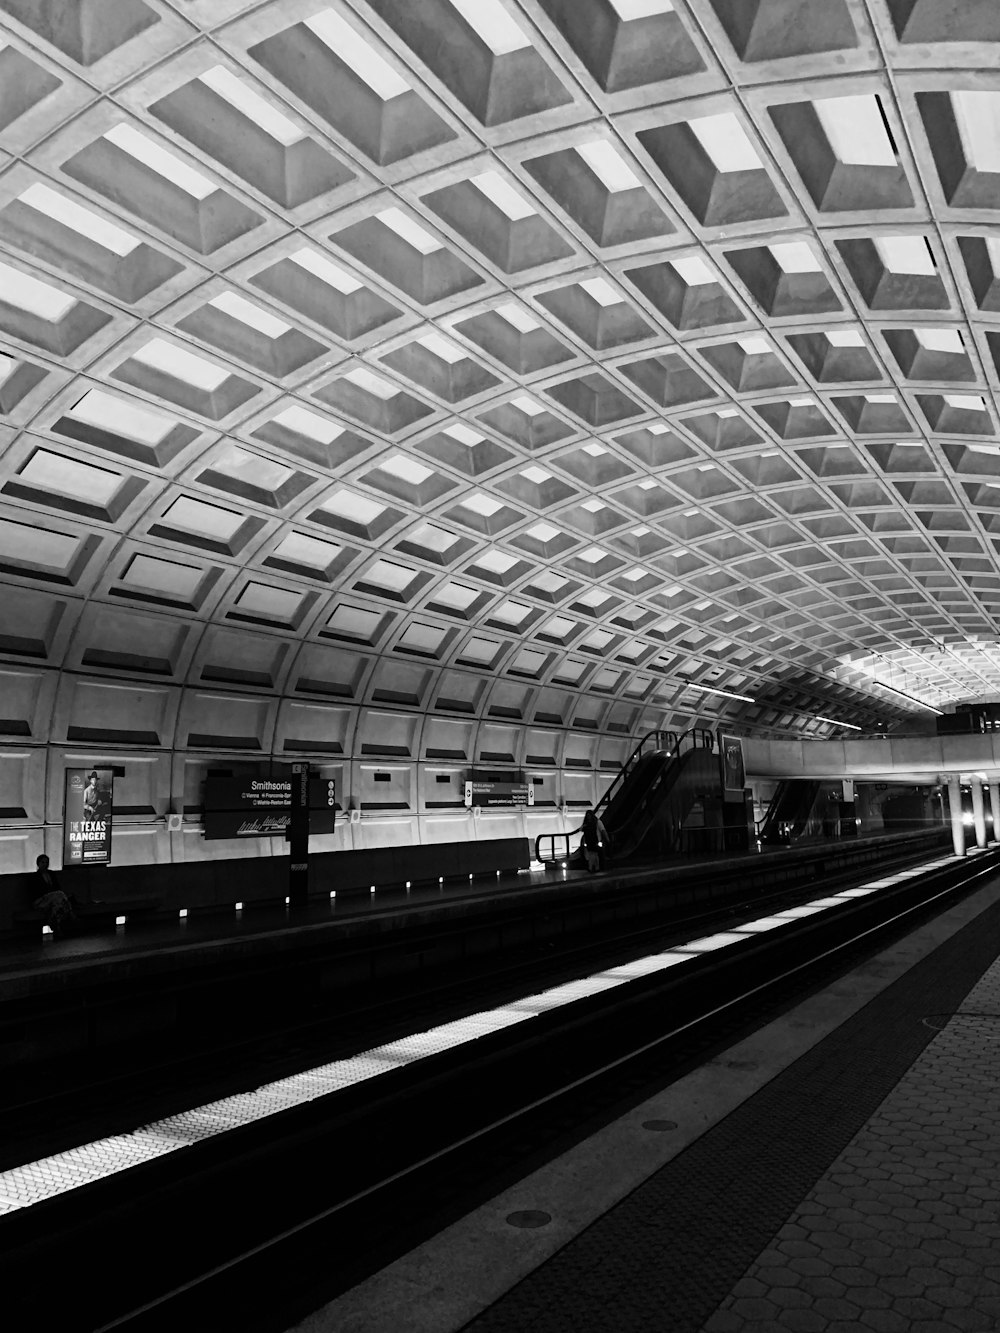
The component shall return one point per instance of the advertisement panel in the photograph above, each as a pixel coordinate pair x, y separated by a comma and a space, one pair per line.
254, 807
87, 816
733, 771
504, 794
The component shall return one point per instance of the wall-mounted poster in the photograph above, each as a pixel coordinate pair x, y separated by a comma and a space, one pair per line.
87, 816
731, 762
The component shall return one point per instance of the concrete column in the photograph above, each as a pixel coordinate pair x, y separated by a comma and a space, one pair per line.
995, 808
978, 812
955, 806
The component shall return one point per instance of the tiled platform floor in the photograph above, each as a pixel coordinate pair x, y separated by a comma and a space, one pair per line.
839, 1172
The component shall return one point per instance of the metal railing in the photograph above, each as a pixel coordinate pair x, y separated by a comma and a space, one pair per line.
551, 847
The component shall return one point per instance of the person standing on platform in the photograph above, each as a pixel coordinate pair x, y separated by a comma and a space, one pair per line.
59, 915
594, 841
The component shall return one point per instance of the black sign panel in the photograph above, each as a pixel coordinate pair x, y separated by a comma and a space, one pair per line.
298, 837
261, 807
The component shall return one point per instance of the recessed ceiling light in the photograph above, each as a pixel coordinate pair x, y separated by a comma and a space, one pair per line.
237, 307
641, 9
536, 475
608, 166
79, 219
517, 317
481, 504
36, 297
600, 290
303, 422
489, 20
977, 115
503, 195
352, 50
527, 405
406, 469
441, 348
150, 154
180, 364
693, 271
543, 532
795, 257
856, 130
906, 254
363, 378
726, 143
250, 104
326, 270
940, 340
463, 434
754, 345
409, 231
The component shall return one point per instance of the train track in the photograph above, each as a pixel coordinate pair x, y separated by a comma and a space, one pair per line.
250, 1221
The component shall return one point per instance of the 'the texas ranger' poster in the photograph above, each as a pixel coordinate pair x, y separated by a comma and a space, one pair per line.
87, 816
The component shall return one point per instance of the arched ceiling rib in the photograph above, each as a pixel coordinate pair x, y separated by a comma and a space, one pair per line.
614, 344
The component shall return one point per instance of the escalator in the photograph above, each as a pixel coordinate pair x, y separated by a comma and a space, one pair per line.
790, 814
645, 807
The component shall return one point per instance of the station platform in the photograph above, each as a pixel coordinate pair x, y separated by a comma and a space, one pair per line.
160, 943
835, 1172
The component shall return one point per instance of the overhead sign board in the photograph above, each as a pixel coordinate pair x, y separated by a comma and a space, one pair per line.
499, 794
87, 816
262, 807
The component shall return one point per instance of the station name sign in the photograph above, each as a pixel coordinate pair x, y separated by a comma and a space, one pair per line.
262, 807
499, 794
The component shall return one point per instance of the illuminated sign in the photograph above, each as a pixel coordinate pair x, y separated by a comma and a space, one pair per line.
262, 807
87, 816
499, 794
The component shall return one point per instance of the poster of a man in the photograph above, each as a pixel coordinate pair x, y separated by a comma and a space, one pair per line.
87, 816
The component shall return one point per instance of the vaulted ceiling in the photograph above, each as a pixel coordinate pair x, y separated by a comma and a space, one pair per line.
628, 346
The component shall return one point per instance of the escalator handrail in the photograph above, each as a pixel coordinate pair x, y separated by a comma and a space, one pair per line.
651, 743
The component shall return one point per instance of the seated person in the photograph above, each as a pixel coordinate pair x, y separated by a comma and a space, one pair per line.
50, 899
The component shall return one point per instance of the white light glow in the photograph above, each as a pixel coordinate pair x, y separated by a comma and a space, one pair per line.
503, 195
595, 450
754, 345
81, 220
406, 469
641, 9
977, 115
165, 164
527, 405
940, 340
906, 254
365, 379
36, 297
712, 689
238, 307
965, 402
463, 434
108, 412
250, 104
608, 166
324, 269
349, 46
601, 291
693, 271
303, 422
409, 231
481, 504
844, 338
855, 129
795, 257
493, 24
441, 348
726, 143
180, 364
517, 317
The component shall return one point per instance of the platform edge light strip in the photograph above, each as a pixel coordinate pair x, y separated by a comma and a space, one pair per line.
33, 1182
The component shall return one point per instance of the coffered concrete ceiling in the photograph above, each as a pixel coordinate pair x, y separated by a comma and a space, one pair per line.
601, 344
